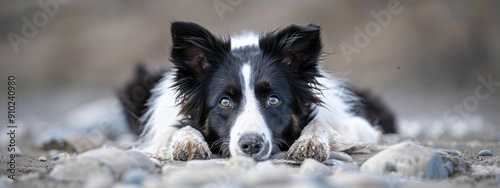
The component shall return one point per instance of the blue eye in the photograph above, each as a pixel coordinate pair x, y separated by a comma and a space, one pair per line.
273, 101
225, 102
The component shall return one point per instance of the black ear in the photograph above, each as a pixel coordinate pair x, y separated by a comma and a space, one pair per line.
195, 49
296, 46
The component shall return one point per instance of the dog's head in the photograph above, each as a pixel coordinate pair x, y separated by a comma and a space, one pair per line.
249, 96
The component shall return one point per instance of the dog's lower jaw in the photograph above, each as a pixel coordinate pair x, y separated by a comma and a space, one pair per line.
187, 144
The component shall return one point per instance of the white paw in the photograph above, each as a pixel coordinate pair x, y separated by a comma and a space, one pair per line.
187, 144
309, 147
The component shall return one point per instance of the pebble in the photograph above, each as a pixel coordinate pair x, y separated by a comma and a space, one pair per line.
79, 170
240, 164
143, 160
113, 157
435, 168
359, 180
449, 152
207, 177
136, 176
340, 156
60, 156
100, 181
5, 181
449, 167
407, 159
485, 152
261, 177
42, 158
203, 164
311, 166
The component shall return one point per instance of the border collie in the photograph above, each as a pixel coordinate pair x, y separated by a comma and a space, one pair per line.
249, 95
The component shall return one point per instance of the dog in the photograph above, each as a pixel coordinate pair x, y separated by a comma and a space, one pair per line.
249, 95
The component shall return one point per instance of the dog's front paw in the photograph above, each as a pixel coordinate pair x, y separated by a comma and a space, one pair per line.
188, 144
309, 147
190, 149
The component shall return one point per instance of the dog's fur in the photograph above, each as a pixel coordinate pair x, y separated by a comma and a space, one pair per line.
249, 96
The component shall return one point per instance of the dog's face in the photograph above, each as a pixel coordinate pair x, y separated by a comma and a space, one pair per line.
249, 97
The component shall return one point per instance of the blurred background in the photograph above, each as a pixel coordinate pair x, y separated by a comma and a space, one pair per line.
426, 61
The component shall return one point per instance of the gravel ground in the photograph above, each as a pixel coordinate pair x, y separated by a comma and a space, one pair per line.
77, 171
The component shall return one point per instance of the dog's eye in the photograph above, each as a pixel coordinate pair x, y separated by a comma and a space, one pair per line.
225, 102
273, 101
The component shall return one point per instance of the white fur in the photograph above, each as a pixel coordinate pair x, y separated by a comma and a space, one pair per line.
336, 112
245, 39
160, 118
250, 120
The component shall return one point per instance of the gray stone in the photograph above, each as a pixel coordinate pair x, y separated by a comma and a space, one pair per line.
208, 177
5, 181
42, 158
240, 164
113, 157
60, 156
142, 160
100, 181
449, 167
358, 180
203, 164
485, 152
311, 166
79, 170
340, 156
435, 168
258, 177
449, 152
136, 176
406, 159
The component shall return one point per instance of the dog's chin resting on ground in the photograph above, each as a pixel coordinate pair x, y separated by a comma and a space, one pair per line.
251, 95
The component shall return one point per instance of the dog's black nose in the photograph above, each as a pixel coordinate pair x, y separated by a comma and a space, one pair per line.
251, 143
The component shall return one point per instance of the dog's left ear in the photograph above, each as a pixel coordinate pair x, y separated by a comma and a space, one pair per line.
296, 46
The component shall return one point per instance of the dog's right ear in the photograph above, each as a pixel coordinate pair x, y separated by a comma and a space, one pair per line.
195, 49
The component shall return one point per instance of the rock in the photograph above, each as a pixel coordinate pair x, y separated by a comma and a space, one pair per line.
136, 176
457, 165
340, 156
42, 158
203, 164
311, 166
99, 181
407, 159
208, 177
485, 152
449, 167
5, 181
170, 169
143, 160
113, 157
60, 156
358, 180
240, 164
79, 170
435, 168
260, 177
449, 152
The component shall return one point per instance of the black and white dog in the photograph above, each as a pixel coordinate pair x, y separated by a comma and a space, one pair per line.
250, 95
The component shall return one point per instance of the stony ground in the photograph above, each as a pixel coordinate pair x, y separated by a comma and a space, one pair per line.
440, 163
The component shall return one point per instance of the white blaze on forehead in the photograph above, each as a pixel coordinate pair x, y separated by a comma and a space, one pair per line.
250, 120
245, 39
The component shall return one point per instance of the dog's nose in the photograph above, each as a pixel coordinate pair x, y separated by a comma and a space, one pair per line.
251, 143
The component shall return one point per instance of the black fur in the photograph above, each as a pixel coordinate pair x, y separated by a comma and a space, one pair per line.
135, 94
